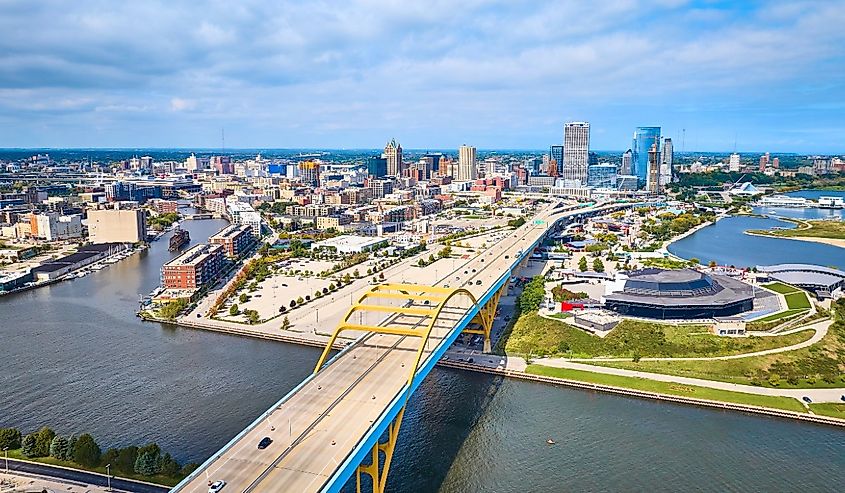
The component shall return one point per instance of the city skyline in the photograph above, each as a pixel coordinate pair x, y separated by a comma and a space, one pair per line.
756, 73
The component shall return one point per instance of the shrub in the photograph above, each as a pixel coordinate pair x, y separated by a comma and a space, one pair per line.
10, 438
86, 452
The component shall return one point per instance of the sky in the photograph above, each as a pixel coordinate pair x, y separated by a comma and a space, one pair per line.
757, 75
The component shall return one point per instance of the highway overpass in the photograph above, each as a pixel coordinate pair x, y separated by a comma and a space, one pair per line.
344, 419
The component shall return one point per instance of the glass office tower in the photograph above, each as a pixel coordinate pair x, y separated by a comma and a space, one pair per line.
644, 138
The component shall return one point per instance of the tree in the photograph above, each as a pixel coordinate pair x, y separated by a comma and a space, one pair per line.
43, 439
168, 466
59, 447
300, 301
28, 446
86, 452
243, 298
381, 276
10, 438
347, 278
712, 264
71, 445
694, 261
598, 265
146, 464
285, 323
318, 293
126, 458
110, 457
421, 263
149, 458
252, 316
188, 468
293, 303
431, 259
356, 274
582, 264
234, 310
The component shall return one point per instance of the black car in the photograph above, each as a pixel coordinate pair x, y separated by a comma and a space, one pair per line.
807, 399
264, 443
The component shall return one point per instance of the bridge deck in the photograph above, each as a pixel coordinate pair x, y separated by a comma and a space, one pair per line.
320, 424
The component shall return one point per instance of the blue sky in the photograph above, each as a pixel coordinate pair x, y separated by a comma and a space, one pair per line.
436, 74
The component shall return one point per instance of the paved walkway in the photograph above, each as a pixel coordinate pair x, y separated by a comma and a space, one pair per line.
817, 395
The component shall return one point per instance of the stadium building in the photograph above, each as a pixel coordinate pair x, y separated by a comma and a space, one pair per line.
677, 294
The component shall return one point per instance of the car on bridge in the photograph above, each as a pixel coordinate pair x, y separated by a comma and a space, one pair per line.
264, 443
216, 486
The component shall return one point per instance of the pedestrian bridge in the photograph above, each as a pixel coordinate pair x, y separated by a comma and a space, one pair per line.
344, 419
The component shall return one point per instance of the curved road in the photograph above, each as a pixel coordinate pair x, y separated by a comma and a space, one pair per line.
80, 477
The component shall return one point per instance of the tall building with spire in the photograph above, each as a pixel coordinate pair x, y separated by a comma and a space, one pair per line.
393, 154
576, 150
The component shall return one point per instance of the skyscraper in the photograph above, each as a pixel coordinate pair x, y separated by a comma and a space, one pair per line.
393, 154
556, 154
644, 138
734, 162
667, 158
653, 182
764, 162
377, 167
625, 169
466, 164
576, 148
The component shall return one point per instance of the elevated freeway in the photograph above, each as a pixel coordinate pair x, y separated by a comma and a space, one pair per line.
344, 419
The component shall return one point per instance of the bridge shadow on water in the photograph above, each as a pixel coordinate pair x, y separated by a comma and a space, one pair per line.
440, 416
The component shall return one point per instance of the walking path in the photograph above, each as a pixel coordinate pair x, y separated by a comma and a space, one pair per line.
817, 395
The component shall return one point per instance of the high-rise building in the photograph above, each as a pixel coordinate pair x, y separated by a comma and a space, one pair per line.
377, 167
625, 169
556, 155
433, 161
653, 181
309, 172
776, 163
117, 225
667, 158
393, 154
733, 164
764, 162
602, 175
644, 138
223, 165
576, 152
467, 170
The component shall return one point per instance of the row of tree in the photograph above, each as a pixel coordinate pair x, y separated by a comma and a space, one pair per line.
83, 450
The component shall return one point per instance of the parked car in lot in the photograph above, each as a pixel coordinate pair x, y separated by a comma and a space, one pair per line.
264, 443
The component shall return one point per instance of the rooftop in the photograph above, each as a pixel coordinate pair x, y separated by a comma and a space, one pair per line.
194, 255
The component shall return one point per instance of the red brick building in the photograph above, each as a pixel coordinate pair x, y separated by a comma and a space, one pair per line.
193, 269
235, 239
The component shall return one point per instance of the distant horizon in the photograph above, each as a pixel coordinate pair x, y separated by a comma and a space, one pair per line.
378, 149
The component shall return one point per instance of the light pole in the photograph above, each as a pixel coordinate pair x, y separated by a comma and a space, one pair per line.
108, 476
6, 452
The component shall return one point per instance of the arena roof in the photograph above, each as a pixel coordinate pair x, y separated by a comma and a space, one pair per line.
684, 287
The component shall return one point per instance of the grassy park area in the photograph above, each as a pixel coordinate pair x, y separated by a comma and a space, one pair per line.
821, 365
538, 336
832, 409
814, 229
670, 388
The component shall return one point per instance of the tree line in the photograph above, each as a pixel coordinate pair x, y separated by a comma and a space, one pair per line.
84, 451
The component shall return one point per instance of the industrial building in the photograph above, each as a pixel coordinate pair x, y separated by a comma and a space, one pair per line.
235, 239
117, 225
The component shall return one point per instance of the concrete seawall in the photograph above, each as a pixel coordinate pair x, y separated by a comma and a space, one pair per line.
778, 413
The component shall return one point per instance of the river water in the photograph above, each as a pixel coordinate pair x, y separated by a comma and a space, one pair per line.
76, 358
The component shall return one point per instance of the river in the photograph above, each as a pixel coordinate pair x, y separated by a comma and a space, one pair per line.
76, 358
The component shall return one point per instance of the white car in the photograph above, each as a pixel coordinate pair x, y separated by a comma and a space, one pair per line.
216, 486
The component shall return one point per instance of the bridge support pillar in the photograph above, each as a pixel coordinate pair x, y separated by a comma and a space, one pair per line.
379, 475
485, 317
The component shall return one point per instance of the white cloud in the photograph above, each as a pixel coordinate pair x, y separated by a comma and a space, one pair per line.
180, 104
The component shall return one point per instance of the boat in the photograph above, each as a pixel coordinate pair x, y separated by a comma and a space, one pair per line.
550, 441
179, 238
831, 202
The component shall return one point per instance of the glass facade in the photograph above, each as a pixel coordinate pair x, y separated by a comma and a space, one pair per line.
377, 167
644, 137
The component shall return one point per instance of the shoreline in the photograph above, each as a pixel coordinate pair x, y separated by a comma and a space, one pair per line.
836, 242
521, 375
610, 389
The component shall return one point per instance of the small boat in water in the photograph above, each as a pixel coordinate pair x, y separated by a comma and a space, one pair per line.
550, 441
179, 238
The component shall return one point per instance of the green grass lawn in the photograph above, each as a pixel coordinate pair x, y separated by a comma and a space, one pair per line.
540, 336
832, 409
775, 402
779, 287
158, 479
797, 301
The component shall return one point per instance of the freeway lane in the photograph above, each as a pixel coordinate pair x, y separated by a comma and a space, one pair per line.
322, 422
